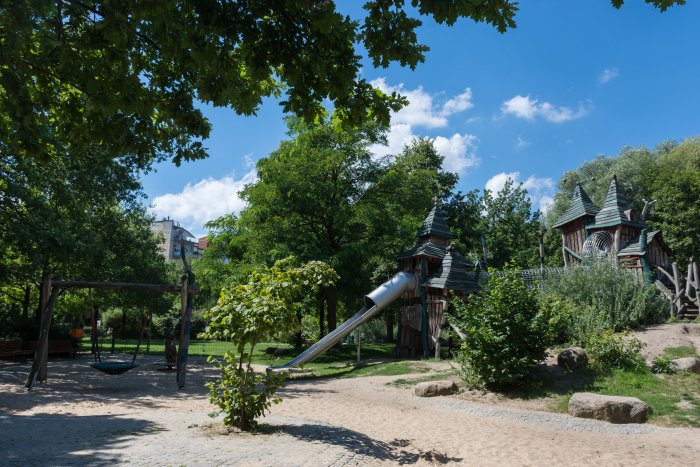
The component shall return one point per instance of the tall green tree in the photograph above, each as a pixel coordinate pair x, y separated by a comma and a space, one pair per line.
676, 189
304, 200
127, 73
511, 227
79, 215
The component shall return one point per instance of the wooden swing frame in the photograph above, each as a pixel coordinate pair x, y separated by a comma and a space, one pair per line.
51, 285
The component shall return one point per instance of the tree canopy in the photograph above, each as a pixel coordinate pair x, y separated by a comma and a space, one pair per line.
126, 74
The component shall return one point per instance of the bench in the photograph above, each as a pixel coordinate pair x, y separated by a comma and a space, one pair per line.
13, 348
56, 346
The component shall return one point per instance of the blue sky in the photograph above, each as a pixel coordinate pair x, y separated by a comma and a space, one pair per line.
575, 79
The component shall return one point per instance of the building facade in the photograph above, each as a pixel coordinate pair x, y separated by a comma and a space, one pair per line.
175, 238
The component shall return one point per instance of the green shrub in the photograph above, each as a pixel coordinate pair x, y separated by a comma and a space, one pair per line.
506, 334
559, 313
663, 365
613, 350
242, 394
246, 314
623, 298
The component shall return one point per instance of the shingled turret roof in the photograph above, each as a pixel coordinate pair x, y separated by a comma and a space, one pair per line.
581, 205
613, 212
424, 249
453, 273
435, 224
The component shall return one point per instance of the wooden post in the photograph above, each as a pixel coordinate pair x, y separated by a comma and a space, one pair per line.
697, 285
676, 278
485, 251
424, 307
689, 278
39, 365
541, 238
44, 327
185, 328
563, 250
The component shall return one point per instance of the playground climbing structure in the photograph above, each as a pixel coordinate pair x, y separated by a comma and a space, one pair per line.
614, 231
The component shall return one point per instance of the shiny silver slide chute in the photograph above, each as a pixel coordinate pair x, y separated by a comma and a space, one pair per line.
375, 301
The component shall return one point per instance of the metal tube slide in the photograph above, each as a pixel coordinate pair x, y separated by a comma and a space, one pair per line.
375, 301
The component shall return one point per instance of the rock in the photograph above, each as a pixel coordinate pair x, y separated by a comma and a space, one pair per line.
690, 364
613, 409
435, 388
572, 358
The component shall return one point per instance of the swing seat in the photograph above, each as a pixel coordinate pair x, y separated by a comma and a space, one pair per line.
114, 368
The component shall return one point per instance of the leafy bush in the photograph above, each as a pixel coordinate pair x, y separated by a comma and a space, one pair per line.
608, 297
242, 394
247, 313
506, 334
663, 365
613, 350
559, 313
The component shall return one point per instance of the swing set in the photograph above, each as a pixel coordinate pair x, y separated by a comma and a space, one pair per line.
50, 287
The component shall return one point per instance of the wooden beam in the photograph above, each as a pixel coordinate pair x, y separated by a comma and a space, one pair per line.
568, 250
697, 285
185, 327
48, 302
164, 288
670, 277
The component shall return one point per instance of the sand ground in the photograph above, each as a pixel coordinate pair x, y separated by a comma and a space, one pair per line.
82, 417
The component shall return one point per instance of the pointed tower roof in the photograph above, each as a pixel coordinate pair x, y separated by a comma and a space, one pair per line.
613, 212
453, 273
581, 205
435, 224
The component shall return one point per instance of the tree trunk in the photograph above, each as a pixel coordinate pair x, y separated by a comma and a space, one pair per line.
25, 302
389, 325
332, 301
297, 339
321, 318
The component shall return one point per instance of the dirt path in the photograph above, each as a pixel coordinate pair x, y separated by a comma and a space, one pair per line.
662, 336
82, 417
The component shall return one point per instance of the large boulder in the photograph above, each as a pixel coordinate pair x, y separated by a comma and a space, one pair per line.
691, 364
435, 388
572, 358
613, 409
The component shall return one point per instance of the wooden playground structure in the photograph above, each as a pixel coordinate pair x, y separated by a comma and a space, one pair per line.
51, 286
684, 295
617, 232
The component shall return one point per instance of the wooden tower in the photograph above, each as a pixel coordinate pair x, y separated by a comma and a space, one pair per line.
440, 267
633, 245
573, 224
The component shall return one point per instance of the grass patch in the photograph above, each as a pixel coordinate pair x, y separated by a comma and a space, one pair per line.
674, 399
341, 362
680, 352
353, 370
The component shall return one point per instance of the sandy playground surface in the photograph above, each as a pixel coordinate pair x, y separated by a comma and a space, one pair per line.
82, 417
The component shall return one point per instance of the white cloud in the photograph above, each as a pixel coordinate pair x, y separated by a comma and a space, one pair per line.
421, 109
204, 201
399, 136
459, 150
520, 143
529, 109
608, 75
457, 104
539, 189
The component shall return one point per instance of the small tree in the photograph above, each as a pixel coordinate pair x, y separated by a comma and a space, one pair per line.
506, 336
246, 313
